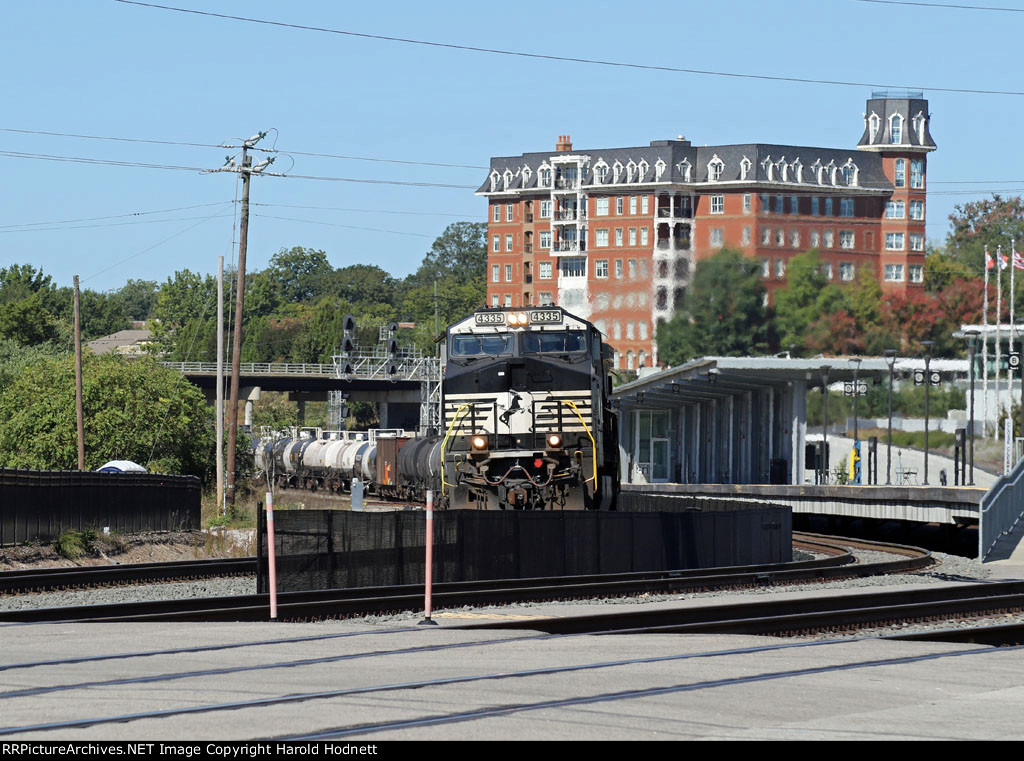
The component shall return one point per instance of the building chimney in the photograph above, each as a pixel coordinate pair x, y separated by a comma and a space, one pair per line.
564, 144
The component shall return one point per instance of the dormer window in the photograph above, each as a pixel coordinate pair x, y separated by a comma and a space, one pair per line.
745, 166
817, 169
798, 170
494, 181
896, 129
527, 174
715, 169
874, 124
601, 173
617, 172
644, 166
685, 170
850, 172
831, 169
508, 178
630, 171
783, 169
545, 177
919, 122
659, 170
769, 168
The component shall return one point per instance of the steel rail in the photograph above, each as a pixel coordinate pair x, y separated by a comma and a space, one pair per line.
316, 605
41, 579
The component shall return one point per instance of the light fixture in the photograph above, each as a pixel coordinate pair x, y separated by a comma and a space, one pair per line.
554, 440
479, 442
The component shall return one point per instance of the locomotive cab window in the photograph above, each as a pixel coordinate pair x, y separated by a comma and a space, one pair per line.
481, 345
561, 342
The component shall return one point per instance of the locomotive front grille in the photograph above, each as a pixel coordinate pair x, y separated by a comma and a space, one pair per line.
518, 412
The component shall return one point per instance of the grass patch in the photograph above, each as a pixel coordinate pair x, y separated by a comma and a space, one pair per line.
910, 439
74, 544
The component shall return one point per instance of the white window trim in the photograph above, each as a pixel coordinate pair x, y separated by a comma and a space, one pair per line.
894, 120
719, 201
715, 166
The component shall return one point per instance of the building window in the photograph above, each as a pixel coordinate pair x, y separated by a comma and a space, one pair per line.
815, 201
746, 236
496, 243
508, 273
828, 271
618, 268
780, 268
780, 238
895, 210
545, 209
630, 330
917, 209
847, 239
896, 129
845, 207
618, 236
544, 270
746, 203
846, 271
900, 178
632, 236
544, 298
497, 212
830, 239
643, 236
494, 300
601, 268
632, 204
601, 238
766, 203
873, 125
717, 204
815, 239
715, 237
573, 266
916, 273
495, 273
766, 236
778, 204
794, 205
508, 300
894, 273
509, 212
715, 169
545, 239
602, 173
894, 242
508, 242
766, 268
601, 207
916, 242
632, 269
545, 178
917, 175
645, 207
794, 238
850, 173
828, 207
618, 205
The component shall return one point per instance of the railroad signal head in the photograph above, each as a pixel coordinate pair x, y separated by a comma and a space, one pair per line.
392, 368
393, 346
393, 328
348, 346
347, 368
350, 323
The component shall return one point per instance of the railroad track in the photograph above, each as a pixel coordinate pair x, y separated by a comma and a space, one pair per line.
304, 606
43, 579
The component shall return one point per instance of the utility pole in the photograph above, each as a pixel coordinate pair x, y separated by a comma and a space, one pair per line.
79, 409
246, 170
220, 385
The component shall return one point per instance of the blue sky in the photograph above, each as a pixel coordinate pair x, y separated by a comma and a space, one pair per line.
100, 67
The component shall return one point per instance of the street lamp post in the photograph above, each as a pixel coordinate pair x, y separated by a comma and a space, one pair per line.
1019, 324
927, 345
856, 393
972, 346
890, 358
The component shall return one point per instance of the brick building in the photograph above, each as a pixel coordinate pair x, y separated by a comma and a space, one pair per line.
613, 234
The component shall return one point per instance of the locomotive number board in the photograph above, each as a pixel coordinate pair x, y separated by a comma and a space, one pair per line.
490, 318
545, 316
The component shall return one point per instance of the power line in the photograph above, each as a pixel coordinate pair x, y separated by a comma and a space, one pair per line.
221, 145
568, 59
110, 224
113, 216
943, 5
371, 211
349, 227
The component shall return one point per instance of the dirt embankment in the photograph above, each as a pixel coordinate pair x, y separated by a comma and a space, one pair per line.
149, 547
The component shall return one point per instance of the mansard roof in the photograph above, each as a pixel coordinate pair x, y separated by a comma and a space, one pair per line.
885, 107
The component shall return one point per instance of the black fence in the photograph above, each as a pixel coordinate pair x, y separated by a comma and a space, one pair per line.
37, 505
330, 549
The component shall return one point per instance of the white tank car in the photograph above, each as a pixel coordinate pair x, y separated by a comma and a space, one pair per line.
313, 457
347, 459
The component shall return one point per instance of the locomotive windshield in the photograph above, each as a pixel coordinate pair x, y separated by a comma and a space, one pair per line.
561, 342
481, 345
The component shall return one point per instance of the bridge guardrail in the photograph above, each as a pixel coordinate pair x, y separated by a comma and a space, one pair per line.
1002, 516
418, 369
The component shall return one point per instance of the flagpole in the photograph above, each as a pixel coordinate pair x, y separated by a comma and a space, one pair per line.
984, 352
1009, 371
999, 332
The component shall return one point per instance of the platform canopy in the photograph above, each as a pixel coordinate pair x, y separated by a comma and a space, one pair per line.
727, 419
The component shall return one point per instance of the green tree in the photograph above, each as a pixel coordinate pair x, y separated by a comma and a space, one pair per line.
300, 274
134, 410
721, 314
137, 299
459, 252
980, 224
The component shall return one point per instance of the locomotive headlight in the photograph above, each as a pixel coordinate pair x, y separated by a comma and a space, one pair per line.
479, 442
522, 318
555, 440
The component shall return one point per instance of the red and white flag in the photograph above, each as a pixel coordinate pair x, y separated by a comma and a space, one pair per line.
1003, 261
989, 261
1018, 260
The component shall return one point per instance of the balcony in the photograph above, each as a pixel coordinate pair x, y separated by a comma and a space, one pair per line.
664, 212
566, 215
570, 246
567, 183
529, 217
527, 248
529, 278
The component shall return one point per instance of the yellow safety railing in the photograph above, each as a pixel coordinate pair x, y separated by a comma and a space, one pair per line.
458, 413
593, 444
